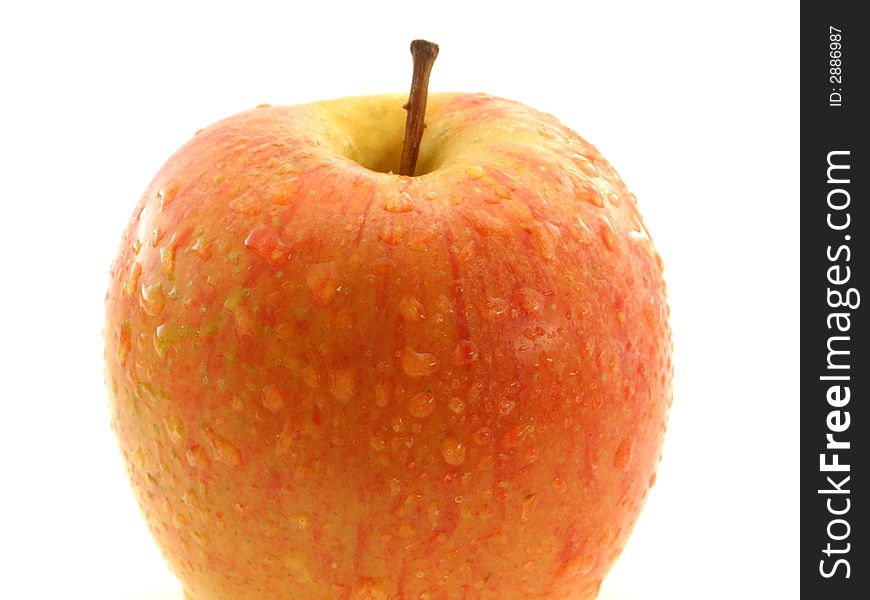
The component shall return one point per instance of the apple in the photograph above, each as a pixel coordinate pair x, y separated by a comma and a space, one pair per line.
329, 380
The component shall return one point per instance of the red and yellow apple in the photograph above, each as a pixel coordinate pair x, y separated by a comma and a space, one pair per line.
329, 381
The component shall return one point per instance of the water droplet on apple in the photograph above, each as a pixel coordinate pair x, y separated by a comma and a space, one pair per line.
608, 233
456, 405
311, 377
411, 309
166, 196
466, 352
506, 407
245, 205
198, 457
528, 506
285, 438
391, 234
623, 455
474, 172
453, 451
579, 564
530, 301
161, 339
224, 450
516, 436
273, 398
377, 443
397, 424
482, 436
323, 281
588, 192
133, 277
201, 248
167, 257
343, 383
152, 299
421, 405
586, 166
139, 458
400, 203
124, 344
652, 481
269, 242
495, 308
382, 395
660, 263
614, 198
174, 428
418, 364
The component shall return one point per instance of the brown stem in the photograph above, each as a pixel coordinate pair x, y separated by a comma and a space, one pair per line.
424, 54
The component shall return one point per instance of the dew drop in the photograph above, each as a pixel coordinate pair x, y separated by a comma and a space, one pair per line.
397, 424
453, 451
466, 352
482, 436
323, 281
487, 462
179, 521
623, 455
400, 203
652, 313
575, 566
421, 405
515, 437
528, 506
139, 458
495, 308
167, 196
285, 438
474, 172
124, 343
391, 234
311, 377
456, 405
201, 248
273, 398
411, 309
133, 278
152, 299
198, 457
167, 258
587, 191
174, 428
245, 205
530, 301
559, 486
343, 383
418, 364
377, 443
224, 450
268, 243
586, 166
608, 234
382, 395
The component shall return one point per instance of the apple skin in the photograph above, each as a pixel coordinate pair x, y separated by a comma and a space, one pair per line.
330, 382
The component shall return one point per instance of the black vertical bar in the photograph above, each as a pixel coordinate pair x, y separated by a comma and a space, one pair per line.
834, 370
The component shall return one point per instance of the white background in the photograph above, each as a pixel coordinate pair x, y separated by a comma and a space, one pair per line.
697, 108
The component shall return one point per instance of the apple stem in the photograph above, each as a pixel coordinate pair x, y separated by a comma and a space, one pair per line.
424, 54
